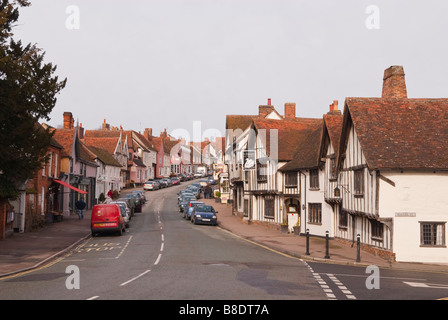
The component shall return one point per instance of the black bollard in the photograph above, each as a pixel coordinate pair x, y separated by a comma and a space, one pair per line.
358, 248
307, 242
327, 249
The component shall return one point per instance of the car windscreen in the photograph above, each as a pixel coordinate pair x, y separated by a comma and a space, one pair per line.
204, 209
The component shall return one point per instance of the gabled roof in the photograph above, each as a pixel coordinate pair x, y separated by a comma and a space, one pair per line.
104, 156
289, 133
399, 133
65, 138
105, 139
332, 128
307, 147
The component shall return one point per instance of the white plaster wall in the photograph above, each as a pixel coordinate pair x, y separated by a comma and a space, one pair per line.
422, 194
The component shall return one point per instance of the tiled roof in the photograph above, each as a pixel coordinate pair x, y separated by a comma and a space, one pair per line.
307, 149
400, 133
239, 121
65, 138
289, 133
333, 125
105, 156
106, 143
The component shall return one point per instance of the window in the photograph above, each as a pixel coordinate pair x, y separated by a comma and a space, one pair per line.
377, 229
315, 213
262, 169
291, 180
269, 207
432, 234
333, 175
314, 179
343, 219
359, 182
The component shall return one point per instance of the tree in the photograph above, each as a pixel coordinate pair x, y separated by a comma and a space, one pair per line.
28, 92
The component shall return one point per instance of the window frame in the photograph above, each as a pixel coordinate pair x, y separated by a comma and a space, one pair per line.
433, 234
315, 213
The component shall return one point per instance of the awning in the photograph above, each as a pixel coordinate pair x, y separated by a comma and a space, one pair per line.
69, 186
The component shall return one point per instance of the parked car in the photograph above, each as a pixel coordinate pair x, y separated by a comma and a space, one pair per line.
107, 218
126, 204
182, 192
151, 186
211, 180
190, 207
162, 183
184, 200
124, 212
175, 181
204, 214
130, 202
168, 182
195, 190
138, 205
142, 194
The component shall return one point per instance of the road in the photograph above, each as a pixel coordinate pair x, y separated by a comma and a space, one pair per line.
164, 257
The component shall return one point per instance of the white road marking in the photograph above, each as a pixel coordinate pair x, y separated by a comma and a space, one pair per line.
426, 285
135, 278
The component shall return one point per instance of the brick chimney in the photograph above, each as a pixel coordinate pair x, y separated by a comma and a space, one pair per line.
106, 126
80, 131
68, 120
163, 134
394, 84
334, 108
290, 110
148, 133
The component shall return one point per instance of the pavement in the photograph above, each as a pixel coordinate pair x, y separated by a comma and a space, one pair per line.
22, 252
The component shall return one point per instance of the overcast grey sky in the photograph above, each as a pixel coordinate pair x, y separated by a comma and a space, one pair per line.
166, 63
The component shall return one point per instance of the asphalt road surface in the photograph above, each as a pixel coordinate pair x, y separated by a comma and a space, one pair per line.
164, 257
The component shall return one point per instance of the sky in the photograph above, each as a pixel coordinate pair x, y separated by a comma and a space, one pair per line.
183, 65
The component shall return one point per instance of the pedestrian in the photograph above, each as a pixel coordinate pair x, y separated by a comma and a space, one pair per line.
80, 206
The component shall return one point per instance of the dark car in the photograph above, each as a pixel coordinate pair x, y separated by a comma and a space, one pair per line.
204, 214
142, 193
190, 207
137, 204
184, 200
163, 183
194, 190
183, 192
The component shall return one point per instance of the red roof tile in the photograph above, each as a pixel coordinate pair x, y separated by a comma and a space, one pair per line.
400, 133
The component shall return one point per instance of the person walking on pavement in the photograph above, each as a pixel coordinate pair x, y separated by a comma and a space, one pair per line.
80, 206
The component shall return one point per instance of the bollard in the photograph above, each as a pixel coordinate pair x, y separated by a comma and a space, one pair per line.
327, 253
307, 242
358, 248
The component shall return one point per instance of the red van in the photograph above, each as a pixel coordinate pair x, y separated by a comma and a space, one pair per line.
107, 218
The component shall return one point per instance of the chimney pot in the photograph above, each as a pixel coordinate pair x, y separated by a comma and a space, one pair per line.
269, 101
